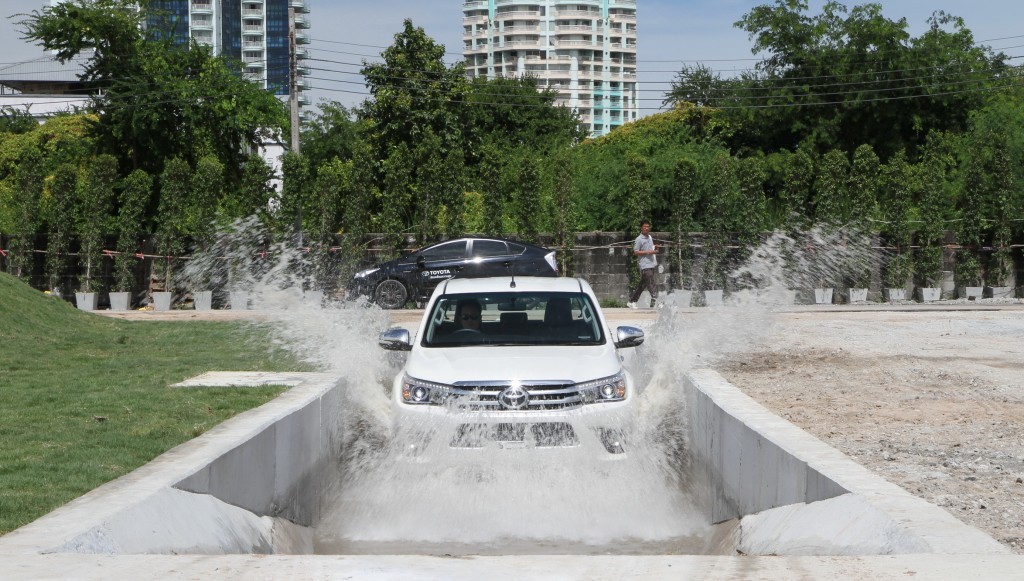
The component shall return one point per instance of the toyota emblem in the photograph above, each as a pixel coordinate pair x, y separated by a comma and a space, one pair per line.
514, 398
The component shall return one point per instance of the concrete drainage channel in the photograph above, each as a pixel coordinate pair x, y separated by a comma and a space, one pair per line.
240, 500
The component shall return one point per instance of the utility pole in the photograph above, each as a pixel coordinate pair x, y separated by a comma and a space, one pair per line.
293, 85
293, 105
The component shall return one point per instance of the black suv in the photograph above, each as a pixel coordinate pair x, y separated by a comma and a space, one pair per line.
415, 275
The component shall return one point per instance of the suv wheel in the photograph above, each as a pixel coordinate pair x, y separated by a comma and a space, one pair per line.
390, 294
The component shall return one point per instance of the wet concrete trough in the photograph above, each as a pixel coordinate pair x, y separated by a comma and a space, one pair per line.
240, 501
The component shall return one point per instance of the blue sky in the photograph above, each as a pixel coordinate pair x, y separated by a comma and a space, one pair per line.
670, 32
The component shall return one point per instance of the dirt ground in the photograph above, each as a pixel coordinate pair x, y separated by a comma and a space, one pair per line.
932, 401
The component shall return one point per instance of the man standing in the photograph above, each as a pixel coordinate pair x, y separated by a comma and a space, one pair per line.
646, 252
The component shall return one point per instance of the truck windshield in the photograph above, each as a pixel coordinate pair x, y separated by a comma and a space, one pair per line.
513, 318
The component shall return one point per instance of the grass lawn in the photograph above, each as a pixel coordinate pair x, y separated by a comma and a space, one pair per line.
85, 399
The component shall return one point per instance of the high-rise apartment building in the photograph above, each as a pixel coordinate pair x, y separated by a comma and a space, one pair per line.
583, 49
252, 31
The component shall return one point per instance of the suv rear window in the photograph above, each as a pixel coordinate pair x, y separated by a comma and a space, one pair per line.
516, 318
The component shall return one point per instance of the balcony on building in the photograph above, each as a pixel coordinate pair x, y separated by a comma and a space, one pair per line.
517, 15
255, 44
475, 5
577, 28
252, 13
202, 8
250, 27
253, 61
305, 100
575, 13
203, 37
303, 84
302, 53
301, 22
519, 42
202, 23
301, 38
300, 6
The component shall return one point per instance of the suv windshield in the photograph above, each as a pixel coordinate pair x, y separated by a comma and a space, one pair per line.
513, 318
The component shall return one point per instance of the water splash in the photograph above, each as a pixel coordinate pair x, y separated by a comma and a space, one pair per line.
647, 501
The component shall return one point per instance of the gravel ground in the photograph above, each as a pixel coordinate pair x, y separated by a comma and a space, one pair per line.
932, 401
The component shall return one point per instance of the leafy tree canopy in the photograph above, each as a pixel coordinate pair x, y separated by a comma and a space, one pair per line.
160, 100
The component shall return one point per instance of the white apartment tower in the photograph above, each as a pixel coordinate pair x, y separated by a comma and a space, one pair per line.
583, 49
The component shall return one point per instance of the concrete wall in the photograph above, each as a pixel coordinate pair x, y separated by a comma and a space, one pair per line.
796, 495
246, 486
283, 466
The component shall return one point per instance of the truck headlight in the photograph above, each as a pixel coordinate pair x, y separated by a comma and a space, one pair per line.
419, 392
605, 389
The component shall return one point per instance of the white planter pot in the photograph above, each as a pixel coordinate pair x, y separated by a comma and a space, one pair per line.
930, 294
999, 292
858, 295
712, 298
120, 301
239, 300
86, 301
969, 292
203, 300
823, 296
895, 294
162, 301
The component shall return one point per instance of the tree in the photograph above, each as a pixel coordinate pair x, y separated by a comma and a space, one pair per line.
329, 134
830, 188
252, 195
490, 171
60, 220
861, 187
797, 187
526, 197
686, 190
514, 112
172, 224
332, 182
296, 201
934, 203
158, 100
564, 198
14, 120
132, 201
415, 95
207, 190
93, 217
701, 86
751, 207
847, 77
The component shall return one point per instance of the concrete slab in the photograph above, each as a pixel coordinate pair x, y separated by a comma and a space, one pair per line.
245, 379
548, 567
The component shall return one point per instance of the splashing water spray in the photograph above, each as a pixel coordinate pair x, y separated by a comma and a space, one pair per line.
646, 501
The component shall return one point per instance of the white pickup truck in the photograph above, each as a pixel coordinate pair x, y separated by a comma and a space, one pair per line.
506, 363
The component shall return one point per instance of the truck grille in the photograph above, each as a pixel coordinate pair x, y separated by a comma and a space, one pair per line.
540, 396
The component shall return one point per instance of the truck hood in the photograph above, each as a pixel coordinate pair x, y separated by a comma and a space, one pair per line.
500, 363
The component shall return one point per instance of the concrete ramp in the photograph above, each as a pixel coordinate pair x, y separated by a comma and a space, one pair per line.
795, 493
